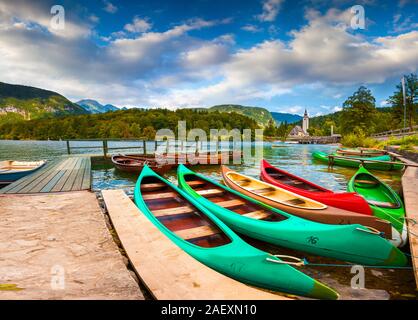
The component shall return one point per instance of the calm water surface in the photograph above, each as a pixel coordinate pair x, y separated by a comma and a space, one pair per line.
380, 283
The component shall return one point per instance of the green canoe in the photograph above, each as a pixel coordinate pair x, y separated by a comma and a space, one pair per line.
353, 163
384, 201
354, 243
203, 236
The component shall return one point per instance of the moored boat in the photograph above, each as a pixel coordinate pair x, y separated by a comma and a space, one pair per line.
361, 152
355, 162
283, 179
354, 243
135, 163
298, 205
11, 171
384, 201
198, 232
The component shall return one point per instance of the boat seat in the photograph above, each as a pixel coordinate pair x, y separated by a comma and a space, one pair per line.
230, 203
259, 214
367, 182
210, 192
297, 182
198, 232
173, 211
276, 175
295, 201
383, 204
151, 186
163, 195
263, 190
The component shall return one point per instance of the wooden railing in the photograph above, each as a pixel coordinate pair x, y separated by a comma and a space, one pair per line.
105, 145
398, 132
146, 146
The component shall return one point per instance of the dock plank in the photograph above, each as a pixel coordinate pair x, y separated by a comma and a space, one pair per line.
177, 275
64, 178
37, 184
73, 175
86, 184
410, 194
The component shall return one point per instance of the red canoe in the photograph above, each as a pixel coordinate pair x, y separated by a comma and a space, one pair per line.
345, 200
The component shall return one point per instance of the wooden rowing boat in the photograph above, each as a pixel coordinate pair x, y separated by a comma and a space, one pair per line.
383, 200
376, 163
298, 205
11, 171
198, 232
354, 242
135, 163
350, 201
360, 152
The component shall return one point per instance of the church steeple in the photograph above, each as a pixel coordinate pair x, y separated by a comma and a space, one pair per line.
305, 122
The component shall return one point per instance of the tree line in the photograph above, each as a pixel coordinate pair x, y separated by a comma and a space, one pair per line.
133, 123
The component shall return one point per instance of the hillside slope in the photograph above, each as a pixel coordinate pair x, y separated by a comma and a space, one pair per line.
19, 102
261, 115
286, 117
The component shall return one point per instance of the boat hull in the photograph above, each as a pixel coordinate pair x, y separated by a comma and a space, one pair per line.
10, 177
346, 201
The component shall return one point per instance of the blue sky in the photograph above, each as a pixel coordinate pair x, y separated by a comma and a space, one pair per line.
280, 54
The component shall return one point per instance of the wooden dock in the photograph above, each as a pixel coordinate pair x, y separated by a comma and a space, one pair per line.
167, 271
66, 174
410, 195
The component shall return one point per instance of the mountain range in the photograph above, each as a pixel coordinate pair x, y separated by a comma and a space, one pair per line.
92, 106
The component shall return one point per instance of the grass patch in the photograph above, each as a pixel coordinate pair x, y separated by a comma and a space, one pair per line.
352, 140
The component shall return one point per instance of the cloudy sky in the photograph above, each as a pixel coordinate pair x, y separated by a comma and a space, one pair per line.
284, 55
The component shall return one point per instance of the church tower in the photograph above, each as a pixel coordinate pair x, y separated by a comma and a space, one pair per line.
305, 123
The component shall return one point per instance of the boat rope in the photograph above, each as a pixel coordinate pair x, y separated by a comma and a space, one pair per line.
297, 261
307, 263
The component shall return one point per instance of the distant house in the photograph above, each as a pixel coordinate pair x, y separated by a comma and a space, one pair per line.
297, 131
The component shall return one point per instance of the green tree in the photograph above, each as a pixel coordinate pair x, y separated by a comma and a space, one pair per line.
358, 112
270, 130
396, 101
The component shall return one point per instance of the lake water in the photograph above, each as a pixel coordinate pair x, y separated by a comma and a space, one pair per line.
380, 283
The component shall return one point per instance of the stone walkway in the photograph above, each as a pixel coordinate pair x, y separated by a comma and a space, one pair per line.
57, 246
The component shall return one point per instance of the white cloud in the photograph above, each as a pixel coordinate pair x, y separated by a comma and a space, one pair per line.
271, 9
109, 7
252, 28
138, 25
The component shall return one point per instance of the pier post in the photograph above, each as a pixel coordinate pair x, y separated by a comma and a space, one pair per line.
105, 148
68, 147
